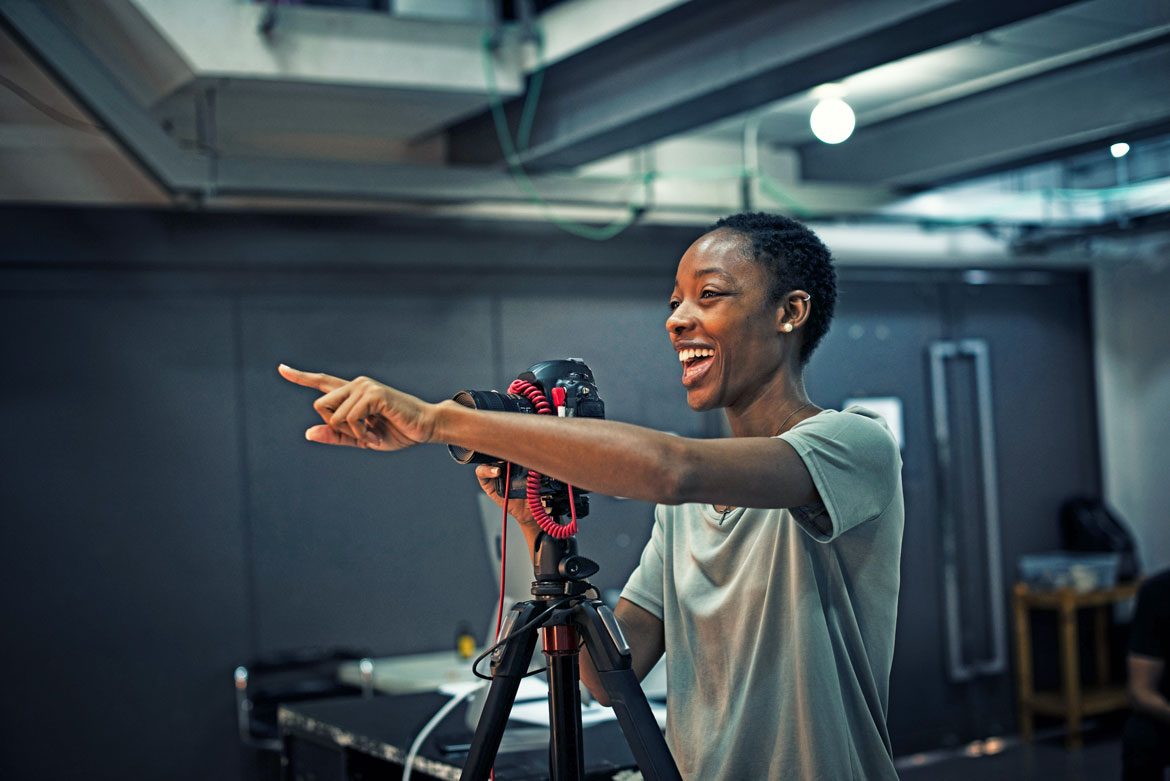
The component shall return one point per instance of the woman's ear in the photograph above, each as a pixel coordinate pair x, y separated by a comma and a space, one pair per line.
793, 311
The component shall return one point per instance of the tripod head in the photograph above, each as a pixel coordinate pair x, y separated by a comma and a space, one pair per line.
560, 571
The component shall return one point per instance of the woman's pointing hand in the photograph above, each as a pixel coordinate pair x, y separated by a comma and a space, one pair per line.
364, 413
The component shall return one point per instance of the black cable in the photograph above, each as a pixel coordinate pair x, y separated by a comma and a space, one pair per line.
47, 110
516, 633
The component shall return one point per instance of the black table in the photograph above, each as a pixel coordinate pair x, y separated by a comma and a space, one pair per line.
357, 739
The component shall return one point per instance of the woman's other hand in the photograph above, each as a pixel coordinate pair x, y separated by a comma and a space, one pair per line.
517, 508
364, 413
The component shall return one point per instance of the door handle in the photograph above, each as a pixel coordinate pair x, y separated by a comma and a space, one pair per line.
962, 669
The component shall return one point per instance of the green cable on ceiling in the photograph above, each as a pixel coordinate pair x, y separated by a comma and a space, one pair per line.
595, 233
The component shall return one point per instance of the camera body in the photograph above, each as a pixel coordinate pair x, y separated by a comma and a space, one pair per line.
581, 400
571, 374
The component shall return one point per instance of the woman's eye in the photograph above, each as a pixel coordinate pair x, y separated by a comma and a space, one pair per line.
674, 305
709, 294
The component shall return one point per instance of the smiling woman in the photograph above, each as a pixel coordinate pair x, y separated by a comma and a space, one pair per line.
771, 578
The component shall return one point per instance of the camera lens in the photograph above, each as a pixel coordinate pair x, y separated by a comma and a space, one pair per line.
488, 400
493, 401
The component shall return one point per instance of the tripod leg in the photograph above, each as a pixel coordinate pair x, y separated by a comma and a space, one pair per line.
509, 663
611, 658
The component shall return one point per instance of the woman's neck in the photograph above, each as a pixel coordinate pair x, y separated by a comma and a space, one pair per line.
762, 414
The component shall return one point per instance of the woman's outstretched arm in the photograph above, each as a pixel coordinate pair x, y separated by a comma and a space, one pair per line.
604, 456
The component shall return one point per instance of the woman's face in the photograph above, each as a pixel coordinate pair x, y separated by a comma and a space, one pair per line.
722, 324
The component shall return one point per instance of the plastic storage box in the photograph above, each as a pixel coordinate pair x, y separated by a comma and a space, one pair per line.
1060, 569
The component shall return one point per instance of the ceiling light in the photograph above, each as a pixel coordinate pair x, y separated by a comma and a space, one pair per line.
832, 121
1120, 149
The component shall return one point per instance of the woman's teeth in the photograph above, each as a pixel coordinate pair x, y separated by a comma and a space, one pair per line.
693, 353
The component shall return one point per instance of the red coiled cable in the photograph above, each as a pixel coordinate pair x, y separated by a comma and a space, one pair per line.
546, 522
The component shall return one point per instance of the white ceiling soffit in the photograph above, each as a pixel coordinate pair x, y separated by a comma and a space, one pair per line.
375, 78
221, 38
322, 84
53, 152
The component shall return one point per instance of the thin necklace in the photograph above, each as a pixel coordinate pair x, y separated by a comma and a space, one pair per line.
727, 510
798, 409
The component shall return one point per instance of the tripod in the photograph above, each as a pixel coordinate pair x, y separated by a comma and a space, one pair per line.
565, 616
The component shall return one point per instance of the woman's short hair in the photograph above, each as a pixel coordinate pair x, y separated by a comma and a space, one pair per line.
796, 259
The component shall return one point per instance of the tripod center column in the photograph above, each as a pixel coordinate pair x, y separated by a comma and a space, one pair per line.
566, 757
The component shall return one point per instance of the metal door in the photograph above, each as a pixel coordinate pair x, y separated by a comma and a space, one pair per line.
1038, 328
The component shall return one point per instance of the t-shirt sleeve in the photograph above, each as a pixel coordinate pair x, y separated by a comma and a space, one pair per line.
856, 467
1150, 631
645, 586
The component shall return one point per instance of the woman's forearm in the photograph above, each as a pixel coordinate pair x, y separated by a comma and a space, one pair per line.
605, 456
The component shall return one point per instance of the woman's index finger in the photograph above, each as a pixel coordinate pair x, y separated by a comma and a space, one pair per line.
322, 382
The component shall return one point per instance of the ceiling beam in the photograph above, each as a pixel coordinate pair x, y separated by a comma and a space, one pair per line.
1017, 124
81, 74
710, 59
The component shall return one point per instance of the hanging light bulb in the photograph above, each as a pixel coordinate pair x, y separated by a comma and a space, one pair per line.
832, 120
1120, 149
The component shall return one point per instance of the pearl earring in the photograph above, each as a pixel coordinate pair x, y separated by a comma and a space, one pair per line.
786, 328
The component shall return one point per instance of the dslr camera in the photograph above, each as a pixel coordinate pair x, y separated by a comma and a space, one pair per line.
565, 388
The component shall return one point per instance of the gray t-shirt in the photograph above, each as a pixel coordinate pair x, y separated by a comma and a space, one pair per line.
780, 623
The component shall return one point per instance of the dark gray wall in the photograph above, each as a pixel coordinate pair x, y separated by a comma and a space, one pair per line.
123, 564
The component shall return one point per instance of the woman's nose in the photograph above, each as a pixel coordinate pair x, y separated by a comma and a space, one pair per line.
679, 320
